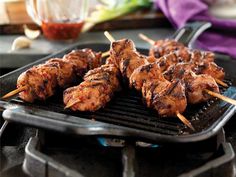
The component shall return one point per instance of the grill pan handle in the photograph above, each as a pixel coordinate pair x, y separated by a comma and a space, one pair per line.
190, 32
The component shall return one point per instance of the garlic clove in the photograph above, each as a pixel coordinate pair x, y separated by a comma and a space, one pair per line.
31, 34
21, 42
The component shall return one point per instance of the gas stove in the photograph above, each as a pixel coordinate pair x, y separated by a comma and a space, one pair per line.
64, 145
42, 153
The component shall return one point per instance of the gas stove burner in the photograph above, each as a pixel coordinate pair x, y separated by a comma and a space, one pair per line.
115, 142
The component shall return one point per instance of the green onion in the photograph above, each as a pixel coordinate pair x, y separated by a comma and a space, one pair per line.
110, 9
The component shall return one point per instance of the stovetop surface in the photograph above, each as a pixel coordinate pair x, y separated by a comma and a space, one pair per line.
88, 157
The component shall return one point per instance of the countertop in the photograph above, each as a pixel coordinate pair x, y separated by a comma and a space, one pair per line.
42, 47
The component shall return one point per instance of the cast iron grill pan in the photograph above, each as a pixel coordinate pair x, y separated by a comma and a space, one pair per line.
124, 116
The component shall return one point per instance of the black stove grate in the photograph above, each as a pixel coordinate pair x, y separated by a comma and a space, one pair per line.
86, 157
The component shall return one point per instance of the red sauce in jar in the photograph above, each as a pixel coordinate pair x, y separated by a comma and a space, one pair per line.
61, 31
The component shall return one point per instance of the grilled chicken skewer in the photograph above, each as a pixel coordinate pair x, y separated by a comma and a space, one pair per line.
199, 68
196, 85
95, 91
166, 61
143, 78
40, 82
127, 59
162, 47
203, 59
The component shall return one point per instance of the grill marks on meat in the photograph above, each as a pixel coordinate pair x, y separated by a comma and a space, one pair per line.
42, 80
200, 62
211, 69
65, 75
163, 47
95, 91
167, 46
125, 56
164, 96
171, 99
195, 84
83, 60
143, 74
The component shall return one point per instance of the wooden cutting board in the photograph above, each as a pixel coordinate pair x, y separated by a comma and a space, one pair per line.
14, 16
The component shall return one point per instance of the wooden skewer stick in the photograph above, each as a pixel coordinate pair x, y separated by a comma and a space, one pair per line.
221, 82
14, 92
222, 97
71, 104
184, 120
105, 54
109, 36
147, 39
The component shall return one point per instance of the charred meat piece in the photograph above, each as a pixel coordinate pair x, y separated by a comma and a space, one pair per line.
199, 56
200, 62
177, 71
106, 72
210, 68
150, 88
65, 75
40, 82
126, 58
88, 96
145, 73
95, 91
163, 47
83, 60
195, 84
171, 99
165, 97
167, 46
166, 61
